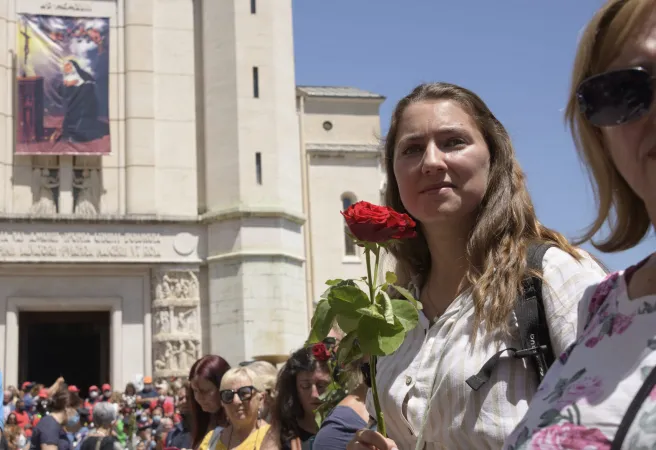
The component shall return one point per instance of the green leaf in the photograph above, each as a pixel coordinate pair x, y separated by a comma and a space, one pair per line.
379, 338
408, 296
346, 323
334, 282
406, 314
322, 322
347, 299
390, 277
349, 350
371, 311
383, 299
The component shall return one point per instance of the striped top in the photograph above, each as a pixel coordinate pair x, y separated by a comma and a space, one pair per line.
439, 358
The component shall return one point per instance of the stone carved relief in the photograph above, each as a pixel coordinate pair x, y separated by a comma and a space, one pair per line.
45, 191
87, 192
176, 327
176, 320
180, 287
175, 357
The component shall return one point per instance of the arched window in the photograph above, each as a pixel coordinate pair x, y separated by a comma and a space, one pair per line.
349, 245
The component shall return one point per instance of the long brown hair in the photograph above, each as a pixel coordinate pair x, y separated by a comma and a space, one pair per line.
505, 224
617, 205
212, 368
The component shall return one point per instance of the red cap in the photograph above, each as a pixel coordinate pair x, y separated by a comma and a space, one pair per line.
26, 384
106, 387
93, 388
43, 393
73, 388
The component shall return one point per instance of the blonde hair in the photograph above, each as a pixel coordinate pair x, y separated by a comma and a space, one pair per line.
266, 372
506, 221
240, 373
617, 205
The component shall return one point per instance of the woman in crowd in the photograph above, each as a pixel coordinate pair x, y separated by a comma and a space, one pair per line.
599, 394
203, 395
241, 396
50, 433
130, 395
15, 437
351, 413
11, 419
452, 167
104, 418
268, 375
301, 382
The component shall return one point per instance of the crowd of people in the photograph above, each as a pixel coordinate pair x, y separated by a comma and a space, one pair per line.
524, 342
137, 419
216, 407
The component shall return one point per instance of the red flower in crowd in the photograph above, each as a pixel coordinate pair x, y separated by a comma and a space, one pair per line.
373, 223
320, 352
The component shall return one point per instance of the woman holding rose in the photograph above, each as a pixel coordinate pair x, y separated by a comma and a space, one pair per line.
451, 167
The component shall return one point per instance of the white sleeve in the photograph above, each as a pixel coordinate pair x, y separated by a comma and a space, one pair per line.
566, 281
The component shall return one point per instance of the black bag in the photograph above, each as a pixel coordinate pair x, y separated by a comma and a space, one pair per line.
532, 322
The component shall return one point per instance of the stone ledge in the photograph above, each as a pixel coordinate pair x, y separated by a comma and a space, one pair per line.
370, 150
166, 337
245, 212
239, 212
243, 254
139, 219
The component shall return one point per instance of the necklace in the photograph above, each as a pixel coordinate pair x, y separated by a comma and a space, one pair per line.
257, 435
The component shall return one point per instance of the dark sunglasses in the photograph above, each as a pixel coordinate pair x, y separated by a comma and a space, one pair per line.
616, 97
244, 393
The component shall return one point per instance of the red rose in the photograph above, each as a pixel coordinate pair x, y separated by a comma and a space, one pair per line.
373, 223
320, 352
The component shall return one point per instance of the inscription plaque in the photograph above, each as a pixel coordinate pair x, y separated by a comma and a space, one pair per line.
63, 245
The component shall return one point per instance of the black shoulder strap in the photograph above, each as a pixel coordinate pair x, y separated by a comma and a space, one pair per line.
531, 318
532, 323
633, 410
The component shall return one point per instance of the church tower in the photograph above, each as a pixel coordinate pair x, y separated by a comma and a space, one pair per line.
250, 190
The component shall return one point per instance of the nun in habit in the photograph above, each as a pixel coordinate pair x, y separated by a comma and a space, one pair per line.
78, 92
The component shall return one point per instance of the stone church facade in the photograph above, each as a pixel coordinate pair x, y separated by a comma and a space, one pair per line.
213, 223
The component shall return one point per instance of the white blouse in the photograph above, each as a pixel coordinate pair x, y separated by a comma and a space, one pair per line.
434, 362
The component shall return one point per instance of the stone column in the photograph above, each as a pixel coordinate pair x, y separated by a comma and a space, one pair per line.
176, 321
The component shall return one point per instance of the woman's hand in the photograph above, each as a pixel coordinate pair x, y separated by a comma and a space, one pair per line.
370, 440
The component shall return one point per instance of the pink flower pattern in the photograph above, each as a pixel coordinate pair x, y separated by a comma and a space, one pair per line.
652, 394
589, 388
604, 288
592, 342
621, 322
558, 420
568, 436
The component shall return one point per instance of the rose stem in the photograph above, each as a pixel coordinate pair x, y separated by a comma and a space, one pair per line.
372, 358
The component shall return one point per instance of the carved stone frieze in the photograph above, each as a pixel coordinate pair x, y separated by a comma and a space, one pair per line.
174, 357
176, 288
176, 322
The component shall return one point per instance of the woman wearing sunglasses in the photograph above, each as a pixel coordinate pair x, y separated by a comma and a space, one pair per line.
241, 398
600, 393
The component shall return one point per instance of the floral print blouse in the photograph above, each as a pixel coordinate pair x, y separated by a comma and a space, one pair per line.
584, 396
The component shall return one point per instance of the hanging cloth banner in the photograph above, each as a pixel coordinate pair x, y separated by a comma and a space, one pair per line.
63, 85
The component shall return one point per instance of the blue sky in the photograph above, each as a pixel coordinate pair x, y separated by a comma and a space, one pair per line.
516, 54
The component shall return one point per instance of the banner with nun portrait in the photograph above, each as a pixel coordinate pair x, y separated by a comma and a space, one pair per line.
63, 85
